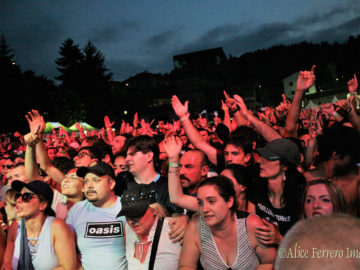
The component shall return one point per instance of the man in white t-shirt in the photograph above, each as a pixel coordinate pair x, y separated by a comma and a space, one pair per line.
99, 233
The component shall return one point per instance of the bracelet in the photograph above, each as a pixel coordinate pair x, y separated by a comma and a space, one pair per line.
174, 164
335, 114
186, 117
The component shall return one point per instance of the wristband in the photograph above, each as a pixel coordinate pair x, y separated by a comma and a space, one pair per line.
174, 164
353, 94
335, 114
185, 118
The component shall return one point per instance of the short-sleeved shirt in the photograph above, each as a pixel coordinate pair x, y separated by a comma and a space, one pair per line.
100, 235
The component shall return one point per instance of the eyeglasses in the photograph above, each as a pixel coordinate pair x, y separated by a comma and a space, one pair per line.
82, 154
7, 166
25, 197
72, 177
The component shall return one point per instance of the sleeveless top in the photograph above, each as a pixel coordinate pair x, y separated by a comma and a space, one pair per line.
45, 257
210, 257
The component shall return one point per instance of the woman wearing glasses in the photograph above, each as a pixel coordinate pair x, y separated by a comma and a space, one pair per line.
40, 240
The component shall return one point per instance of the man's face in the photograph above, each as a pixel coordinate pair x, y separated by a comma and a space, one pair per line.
234, 155
137, 161
117, 144
120, 165
205, 135
190, 169
84, 159
17, 173
98, 189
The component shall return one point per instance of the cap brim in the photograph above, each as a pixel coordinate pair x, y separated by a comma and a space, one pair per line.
132, 212
268, 154
18, 185
82, 171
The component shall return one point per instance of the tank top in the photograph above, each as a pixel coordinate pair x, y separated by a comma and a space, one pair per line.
210, 257
45, 257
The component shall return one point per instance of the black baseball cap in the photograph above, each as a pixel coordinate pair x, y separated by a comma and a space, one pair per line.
39, 187
99, 168
136, 200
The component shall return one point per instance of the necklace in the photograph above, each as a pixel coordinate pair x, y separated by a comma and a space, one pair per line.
33, 243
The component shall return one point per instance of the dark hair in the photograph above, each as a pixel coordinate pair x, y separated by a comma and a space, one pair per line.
340, 139
105, 149
225, 188
240, 173
94, 151
18, 165
243, 137
144, 144
336, 195
223, 132
63, 164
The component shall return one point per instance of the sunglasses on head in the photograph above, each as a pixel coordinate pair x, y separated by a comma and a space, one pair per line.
25, 197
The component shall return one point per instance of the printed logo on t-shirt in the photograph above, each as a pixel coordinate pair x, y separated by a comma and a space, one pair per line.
279, 218
104, 229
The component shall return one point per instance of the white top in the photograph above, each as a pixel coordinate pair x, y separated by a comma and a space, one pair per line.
99, 235
45, 257
168, 253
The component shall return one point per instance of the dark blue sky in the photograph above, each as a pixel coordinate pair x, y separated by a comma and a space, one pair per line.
144, 35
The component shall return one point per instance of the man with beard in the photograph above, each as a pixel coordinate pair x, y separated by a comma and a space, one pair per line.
100, 234
339, 151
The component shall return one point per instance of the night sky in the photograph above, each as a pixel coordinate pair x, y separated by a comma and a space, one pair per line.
144, 35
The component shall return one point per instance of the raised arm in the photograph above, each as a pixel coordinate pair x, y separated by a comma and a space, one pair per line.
234, 109
305, 80
192, 133
31, 167
35, 119
172, 147
266, 131
109, 131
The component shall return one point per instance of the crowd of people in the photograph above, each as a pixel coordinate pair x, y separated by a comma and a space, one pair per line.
195, 193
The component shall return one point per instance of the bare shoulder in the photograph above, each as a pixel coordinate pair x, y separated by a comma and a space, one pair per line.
58, 224
253, 221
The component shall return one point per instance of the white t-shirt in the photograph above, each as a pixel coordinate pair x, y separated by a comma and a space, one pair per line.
100, 235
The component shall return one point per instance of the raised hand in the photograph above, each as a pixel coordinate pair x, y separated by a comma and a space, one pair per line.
241, 104
36, 122
305, 79
107, 122
353, 84
31, 139
230, 102
172, 145
136, 120
79, 127
181, 110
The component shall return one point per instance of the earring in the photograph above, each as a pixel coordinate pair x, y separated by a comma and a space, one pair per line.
284, 176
